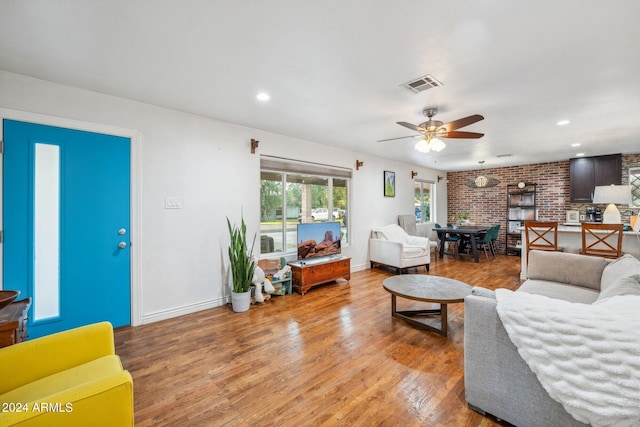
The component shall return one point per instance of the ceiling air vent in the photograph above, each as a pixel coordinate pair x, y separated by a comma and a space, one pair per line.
421, 84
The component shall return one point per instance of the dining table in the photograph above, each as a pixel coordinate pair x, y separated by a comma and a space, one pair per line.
466, 234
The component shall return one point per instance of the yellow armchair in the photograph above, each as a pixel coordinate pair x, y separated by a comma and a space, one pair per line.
72, 378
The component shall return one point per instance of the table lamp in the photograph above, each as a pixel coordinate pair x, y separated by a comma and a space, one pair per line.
612, 194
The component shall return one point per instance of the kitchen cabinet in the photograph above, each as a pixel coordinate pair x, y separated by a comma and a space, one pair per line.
588, 172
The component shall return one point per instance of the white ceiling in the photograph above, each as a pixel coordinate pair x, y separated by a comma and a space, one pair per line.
334, 68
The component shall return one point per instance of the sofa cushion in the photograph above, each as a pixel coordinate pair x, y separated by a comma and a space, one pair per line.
563, 291
624, 266
568, 268
629, 285
47, 386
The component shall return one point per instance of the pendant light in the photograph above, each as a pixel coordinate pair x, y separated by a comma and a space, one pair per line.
481, 181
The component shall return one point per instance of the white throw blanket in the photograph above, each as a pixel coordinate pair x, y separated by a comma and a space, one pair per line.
586, 356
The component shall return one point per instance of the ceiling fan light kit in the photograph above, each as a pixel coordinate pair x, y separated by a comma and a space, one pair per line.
434, 130
424, 146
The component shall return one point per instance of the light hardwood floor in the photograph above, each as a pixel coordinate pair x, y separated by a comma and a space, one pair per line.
333, 357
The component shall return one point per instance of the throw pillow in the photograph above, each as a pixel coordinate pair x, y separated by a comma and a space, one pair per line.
629, 285
624, 266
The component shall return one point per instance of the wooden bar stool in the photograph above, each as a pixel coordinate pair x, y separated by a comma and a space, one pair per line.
541, 236
604, 240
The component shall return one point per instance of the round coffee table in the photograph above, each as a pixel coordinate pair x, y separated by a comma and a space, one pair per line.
420, 287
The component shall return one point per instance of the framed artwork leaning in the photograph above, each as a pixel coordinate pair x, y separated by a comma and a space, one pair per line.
572, 217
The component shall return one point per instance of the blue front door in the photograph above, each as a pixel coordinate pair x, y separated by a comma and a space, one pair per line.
66, 207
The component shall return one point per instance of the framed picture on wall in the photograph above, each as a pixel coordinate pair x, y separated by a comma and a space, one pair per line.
389, 184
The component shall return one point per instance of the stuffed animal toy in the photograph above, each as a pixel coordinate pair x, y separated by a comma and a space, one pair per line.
282, 274
261, 283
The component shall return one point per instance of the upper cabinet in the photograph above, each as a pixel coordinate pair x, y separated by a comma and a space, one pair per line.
588, 172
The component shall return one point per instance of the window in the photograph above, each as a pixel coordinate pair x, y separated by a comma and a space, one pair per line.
295, 192
634, 182
424, 195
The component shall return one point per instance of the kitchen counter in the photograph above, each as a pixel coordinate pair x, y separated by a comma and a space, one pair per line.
570, 238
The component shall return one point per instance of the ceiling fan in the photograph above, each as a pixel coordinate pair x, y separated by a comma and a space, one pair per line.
432, 130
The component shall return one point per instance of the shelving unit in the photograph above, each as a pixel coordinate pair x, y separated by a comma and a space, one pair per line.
521, 207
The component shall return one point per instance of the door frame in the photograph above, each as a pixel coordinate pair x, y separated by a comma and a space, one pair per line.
135, 137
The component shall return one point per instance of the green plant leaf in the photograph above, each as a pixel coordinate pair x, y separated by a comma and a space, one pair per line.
240, 259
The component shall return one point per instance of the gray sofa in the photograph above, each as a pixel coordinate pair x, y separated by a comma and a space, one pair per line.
497, 379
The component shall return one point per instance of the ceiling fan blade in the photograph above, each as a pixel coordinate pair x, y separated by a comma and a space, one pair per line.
410, 126
458, 134
460, 123
402, 137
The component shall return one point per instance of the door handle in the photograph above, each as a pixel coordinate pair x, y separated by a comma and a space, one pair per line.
122, 245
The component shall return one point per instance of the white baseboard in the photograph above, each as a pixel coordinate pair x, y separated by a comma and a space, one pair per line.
358, 267
185, 309
193, 308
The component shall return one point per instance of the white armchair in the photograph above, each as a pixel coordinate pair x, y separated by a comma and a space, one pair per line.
391, 245
408, 224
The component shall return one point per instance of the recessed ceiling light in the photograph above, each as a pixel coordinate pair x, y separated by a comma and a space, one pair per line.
563, 122
579, 154
576, 144
263, 96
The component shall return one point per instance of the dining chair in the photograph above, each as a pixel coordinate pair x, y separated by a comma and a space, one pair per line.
445, 238
494, 238
463, 241
541, 236
604, 240
484, 241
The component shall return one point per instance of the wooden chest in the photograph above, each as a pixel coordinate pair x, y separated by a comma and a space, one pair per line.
13, 322
311, 273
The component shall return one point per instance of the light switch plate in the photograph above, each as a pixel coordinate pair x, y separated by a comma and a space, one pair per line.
173, 202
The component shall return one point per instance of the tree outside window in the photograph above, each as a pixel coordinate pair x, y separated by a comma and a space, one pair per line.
306, 198
423, 201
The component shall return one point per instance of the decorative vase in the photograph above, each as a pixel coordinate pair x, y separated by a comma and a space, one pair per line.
240, 301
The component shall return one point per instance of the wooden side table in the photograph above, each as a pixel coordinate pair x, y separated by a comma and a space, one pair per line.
13, 322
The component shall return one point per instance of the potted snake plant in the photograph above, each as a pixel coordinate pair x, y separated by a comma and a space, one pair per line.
242, 266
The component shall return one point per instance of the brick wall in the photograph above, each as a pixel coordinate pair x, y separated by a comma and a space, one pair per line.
489, 206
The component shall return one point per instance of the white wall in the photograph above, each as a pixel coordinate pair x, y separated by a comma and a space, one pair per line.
206, 162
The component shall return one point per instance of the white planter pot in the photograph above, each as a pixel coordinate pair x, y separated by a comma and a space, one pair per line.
240, 301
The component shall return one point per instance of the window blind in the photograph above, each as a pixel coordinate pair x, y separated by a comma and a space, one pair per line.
294, 166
